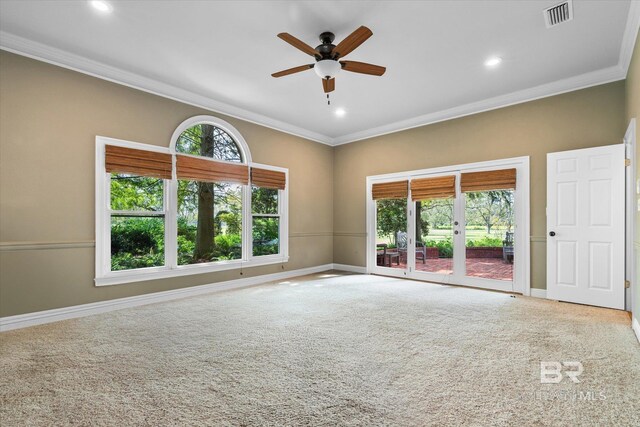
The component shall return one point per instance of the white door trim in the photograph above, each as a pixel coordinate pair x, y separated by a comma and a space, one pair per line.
631, 208
522, 260
371, 237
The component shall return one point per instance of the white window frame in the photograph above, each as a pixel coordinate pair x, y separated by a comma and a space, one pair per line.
283, 214
103, 273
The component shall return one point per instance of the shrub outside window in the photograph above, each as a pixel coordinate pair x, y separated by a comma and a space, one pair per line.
137, 222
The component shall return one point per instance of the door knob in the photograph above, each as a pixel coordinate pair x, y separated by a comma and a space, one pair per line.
552, 233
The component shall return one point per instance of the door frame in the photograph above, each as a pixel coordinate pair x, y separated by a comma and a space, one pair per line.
522, 258
631, 194
371, 253
458, 239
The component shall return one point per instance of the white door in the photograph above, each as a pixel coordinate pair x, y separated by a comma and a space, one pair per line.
585, 226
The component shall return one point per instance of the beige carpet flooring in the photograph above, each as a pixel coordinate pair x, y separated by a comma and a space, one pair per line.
325, 350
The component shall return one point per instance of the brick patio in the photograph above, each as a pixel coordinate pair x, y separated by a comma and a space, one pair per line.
488, 268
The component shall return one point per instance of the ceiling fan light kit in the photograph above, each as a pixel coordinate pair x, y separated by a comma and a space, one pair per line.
327, 57
327, 68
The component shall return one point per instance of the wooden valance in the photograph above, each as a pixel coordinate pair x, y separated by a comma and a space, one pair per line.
137, 162
197, 169
391, 190
441, 187
503, 179
266, 178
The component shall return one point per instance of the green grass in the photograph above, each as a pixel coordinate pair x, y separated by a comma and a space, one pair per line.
473, 233
470, 234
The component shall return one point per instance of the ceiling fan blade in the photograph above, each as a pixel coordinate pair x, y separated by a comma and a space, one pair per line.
352, 41
292, 70
298, 44
363, 68
329, 85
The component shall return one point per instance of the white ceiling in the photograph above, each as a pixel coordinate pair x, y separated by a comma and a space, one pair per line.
220, 55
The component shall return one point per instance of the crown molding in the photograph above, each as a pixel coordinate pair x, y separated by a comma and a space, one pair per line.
630, 36
606, 75
61, 58
583, 81
83, 65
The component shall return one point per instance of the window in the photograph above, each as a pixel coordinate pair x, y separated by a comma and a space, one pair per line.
137, 222
265, 208
209, 222
209, 210
205, 139
199, 206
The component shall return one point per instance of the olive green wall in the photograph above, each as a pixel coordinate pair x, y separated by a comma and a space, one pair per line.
632, 93
584, 118
50, 117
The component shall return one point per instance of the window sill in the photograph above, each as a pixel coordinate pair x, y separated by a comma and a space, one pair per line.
155, 273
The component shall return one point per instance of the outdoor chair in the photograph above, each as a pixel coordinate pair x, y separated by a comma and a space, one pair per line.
386, 258
421, 250
507, 247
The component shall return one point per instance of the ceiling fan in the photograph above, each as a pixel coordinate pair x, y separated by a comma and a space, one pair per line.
328, 56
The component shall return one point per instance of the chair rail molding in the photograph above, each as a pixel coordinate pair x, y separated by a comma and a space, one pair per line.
42, 245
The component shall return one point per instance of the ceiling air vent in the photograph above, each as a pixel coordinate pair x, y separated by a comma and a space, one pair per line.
558, 14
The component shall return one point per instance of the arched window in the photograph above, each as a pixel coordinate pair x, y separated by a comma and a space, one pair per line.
205, 139
200, 205
209, 214
210, 137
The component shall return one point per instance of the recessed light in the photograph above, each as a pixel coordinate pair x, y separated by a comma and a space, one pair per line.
101, 6
493, 61
340, 112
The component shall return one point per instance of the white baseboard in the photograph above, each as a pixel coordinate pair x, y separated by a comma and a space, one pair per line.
635, 325
351, 268
48, 316
539, 293
40, 317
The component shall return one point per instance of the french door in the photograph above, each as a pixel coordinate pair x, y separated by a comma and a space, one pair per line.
444, 230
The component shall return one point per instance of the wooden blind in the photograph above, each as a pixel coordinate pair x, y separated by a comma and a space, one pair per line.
268, 179
211, 171
137, 162
440, 187
391, 190
504, 179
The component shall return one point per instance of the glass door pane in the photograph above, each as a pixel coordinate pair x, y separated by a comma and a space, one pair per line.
489, 217
391, 233
434, 235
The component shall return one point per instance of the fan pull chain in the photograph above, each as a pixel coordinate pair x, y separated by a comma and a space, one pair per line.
328, 100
